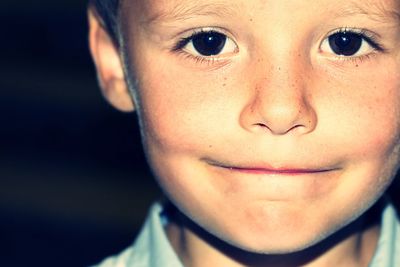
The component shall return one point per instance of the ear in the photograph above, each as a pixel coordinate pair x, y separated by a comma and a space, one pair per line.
108, 63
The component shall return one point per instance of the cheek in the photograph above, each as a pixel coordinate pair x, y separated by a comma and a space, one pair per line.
361, 125
361, 112
174, 111
185, 110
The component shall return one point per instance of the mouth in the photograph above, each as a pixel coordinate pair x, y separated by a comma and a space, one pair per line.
279, 171
269, 170
286, 181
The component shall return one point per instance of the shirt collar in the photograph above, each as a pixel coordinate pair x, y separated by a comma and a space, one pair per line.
152, 248
388, 248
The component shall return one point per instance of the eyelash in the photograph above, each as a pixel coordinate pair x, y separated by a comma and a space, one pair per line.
364, 34
198, 59
178, 48
185, 40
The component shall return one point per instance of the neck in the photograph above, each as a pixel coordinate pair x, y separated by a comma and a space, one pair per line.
353, 245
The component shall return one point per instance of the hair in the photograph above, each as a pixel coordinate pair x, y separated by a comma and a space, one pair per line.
107, 12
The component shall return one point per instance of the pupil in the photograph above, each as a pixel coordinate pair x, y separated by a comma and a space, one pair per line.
345, 43
209, 43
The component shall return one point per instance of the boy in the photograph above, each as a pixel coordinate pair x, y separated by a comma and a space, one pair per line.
272, 127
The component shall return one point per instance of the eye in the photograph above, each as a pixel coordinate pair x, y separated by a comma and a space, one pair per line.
348, 43
207, 44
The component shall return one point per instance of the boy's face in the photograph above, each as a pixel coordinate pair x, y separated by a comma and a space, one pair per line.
269, 123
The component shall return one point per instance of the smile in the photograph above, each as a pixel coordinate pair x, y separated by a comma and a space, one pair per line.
280, 171
268, 170
286, 181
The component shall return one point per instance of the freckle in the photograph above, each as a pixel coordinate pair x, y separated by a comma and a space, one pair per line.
356, 65
251, 19
210, 146
224, 84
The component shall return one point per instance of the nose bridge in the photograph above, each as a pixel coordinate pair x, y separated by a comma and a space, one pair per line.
282, 86
281, 100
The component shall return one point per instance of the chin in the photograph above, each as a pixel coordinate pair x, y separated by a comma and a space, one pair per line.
291, 241
277, 246
287, 250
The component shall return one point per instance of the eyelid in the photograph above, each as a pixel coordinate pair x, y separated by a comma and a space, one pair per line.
369, 37
188, 35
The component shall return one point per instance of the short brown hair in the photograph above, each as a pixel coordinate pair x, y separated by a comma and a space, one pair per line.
107, 12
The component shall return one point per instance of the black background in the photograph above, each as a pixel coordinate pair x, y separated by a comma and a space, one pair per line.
74, 185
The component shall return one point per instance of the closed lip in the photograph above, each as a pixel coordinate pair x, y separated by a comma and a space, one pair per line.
279, 171
266, 169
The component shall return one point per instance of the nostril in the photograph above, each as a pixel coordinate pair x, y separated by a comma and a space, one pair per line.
279, 112
261, 125
296, 128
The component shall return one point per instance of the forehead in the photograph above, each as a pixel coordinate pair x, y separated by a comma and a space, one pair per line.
159, 8
153, 10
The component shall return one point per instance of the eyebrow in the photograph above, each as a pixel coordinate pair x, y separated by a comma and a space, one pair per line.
376, 11
184, 12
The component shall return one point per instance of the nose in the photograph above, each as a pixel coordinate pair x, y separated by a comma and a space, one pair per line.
280, 103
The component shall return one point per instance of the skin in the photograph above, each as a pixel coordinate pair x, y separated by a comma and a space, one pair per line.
271, 148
